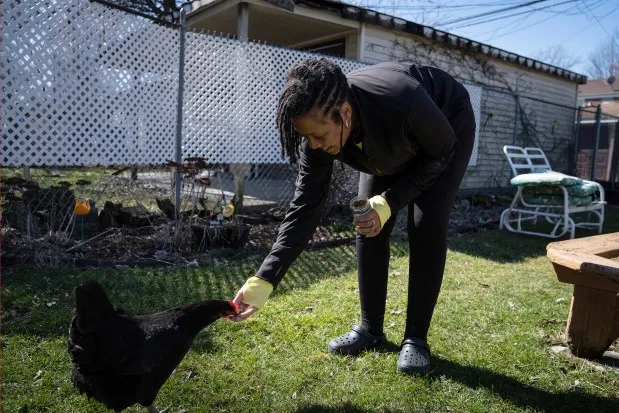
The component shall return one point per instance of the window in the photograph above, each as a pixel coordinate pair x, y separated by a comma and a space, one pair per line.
332, 48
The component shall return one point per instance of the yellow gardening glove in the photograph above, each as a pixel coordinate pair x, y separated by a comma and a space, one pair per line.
382, 208
251, 297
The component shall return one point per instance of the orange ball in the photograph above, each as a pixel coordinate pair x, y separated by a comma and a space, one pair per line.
82, 207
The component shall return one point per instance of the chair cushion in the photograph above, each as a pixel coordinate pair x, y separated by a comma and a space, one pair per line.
545, 178
582, 189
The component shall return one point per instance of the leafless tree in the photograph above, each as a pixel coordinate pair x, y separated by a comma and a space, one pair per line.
557, 56
604, 59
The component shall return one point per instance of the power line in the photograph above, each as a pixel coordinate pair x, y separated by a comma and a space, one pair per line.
494, 31
433, 7
612, 37
518, 6
520, 21
512, 15
437, 8
508, 26
528, 14
526, 27
587, 27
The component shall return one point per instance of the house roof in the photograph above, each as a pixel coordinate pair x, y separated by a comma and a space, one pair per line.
595, 87
364, 15
610, 112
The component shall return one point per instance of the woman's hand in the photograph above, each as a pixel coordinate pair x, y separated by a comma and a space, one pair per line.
368, 224
251, 297
245, 310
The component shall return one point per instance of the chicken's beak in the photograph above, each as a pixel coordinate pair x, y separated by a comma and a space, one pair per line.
235, 306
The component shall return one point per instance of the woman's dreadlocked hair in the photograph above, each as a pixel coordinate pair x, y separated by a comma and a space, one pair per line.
313, 83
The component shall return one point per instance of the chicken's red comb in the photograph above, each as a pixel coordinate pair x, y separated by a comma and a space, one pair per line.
235, 306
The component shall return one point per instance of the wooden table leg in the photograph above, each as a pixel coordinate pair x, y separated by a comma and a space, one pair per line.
615, 333
590, 326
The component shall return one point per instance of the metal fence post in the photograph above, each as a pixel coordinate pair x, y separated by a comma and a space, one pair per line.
598, 115
179, 117
576, 142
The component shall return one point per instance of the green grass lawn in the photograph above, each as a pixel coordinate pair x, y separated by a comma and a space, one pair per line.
500, 310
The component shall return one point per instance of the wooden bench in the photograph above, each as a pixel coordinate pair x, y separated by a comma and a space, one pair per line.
593, 322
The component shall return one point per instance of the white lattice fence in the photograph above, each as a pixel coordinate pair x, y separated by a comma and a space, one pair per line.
86, 85
231, 92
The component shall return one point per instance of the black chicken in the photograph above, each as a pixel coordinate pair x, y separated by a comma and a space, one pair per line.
119, 359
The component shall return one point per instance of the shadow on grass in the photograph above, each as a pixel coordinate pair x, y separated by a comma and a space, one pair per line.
520, 394
41, 302
499, 246
507, 247
344, 408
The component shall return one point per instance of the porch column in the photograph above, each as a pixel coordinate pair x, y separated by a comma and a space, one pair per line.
242, 22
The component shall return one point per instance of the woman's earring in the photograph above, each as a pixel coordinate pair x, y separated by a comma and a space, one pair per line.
347, 124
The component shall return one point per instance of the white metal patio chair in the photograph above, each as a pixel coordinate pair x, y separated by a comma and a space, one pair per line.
559, 211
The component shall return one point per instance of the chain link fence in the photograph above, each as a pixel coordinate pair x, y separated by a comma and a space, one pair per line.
595, 151
170, 136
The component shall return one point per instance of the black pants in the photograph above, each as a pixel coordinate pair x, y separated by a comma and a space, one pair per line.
428, 219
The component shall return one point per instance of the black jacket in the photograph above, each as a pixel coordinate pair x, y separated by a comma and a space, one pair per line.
404, 116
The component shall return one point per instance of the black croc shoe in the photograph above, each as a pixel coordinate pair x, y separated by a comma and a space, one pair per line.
414, 356
358, 339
